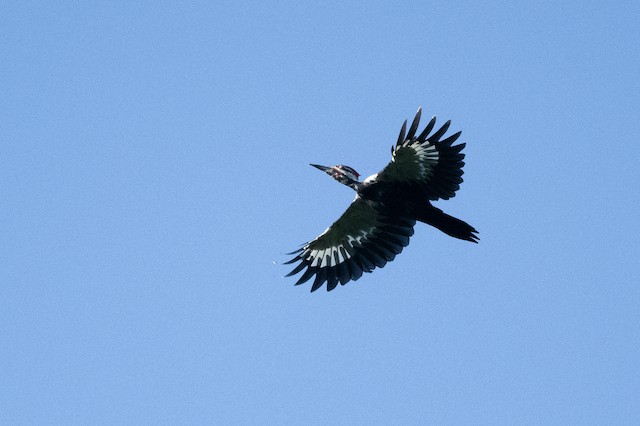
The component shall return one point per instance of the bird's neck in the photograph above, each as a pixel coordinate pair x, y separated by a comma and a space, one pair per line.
354, 184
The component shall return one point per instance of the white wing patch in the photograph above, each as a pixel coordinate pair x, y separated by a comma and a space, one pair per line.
335, 255
427, 156
357, 240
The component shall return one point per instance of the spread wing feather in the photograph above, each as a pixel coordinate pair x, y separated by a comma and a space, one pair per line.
362, 239
431, 165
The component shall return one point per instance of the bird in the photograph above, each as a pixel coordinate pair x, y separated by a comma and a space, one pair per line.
379, 222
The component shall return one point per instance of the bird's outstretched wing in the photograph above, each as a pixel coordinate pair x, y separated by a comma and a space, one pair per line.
363, 238
431, 165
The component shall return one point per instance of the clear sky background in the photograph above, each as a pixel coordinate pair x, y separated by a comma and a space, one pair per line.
154, 164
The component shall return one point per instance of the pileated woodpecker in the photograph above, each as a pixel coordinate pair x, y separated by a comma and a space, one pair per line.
378, 223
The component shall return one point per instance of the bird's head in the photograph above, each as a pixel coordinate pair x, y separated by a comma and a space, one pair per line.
343, 174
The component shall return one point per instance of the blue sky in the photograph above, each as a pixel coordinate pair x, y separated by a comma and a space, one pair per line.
155, 163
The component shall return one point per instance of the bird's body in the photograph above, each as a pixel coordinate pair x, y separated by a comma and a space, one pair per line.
378, 223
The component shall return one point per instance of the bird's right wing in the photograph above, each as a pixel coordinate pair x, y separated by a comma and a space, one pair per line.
363, 238
424, 162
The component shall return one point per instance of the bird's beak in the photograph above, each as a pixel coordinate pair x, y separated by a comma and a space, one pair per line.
323, 168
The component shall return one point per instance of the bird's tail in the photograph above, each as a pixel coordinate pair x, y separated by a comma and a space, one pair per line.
448, 224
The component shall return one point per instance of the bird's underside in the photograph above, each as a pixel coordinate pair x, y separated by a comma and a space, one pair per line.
379, 222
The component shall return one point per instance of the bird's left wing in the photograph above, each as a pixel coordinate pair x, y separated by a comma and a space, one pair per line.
363, 238
425, 162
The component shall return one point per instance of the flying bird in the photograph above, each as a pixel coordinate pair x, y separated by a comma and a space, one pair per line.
380, 220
